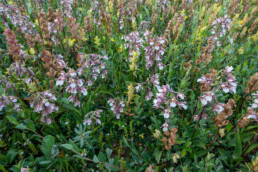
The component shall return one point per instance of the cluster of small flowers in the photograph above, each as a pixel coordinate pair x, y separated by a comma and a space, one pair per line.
94, 115
17, 18
92, 64
230, 84
117, 106
9, 100
19, 70
43, 102
95, 10
74, 85
144, 25
133, 42
154, 50
163, 4
154, 80
220, 27
163, 98
67, 4
121, 15
254, 106
210, 97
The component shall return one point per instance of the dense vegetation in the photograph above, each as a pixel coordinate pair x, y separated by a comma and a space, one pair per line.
128, 85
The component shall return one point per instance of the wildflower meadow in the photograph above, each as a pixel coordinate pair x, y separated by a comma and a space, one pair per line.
128, 85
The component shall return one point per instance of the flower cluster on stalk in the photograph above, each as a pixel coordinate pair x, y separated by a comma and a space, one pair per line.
154, 80
117, 106
220, 27
74, 85
44, 103
92, 116
227, 83
154, 50
9, 100
254, 107
133, 42
166, 99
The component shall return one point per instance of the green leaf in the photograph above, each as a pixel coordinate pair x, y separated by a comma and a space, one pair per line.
3, 158
108, 152
252, 147
229, 127
95, 159
31, 126
12, 120
11, 154
67, 146
238, 148
157, 155
223, 154
46, 147
21, 126
102, 157
183, 152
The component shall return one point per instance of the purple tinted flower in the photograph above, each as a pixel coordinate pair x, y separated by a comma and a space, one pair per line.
92, 116
43, 102
117, 106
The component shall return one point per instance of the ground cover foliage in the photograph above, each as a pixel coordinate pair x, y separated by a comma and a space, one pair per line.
128, 85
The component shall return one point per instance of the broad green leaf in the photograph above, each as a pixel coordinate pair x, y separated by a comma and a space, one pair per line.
12, 120
95, 159
238, 147
21, 126
157, 155
102, 157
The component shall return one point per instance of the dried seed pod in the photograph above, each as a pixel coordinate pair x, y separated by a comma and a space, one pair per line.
166, 133
252, 84
12, 42
220, 119
167, 147
164, 140
244, 120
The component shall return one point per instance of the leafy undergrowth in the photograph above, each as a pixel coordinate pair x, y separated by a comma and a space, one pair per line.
128, 85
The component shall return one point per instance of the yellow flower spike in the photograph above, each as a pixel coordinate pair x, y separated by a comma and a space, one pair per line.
130, 94
241, 50
97, 41
32, 51
45, 42
120, 49
64, 41
36, 22
85, 39
71, 42
110, 5
10, 2
134, 24
141, 135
